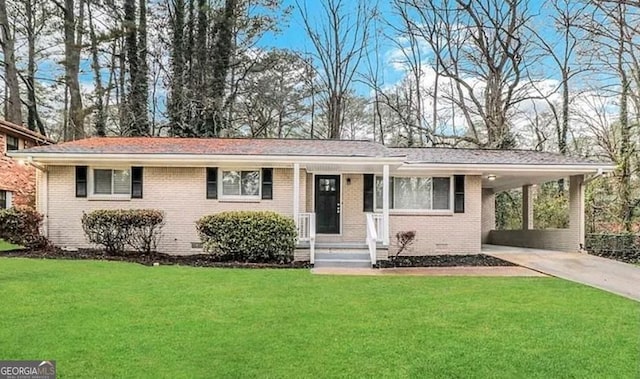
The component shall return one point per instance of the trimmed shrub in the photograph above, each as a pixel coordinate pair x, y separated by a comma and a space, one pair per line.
115, 229
21, 226
258, 237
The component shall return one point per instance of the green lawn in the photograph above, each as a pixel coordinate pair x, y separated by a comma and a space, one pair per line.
107, 319
4, 246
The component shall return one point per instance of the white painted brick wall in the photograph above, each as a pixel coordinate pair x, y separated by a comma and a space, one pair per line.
458, 233
179, 192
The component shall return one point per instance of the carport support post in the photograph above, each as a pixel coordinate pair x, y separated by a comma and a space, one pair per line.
527, 207
576, 211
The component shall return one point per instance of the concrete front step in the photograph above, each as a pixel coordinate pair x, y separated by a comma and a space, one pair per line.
342, 263
342, 258
343, 254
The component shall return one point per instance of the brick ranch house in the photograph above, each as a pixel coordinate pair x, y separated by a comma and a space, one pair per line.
17, 181
340, 193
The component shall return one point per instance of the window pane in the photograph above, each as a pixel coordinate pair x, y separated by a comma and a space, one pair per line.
102, 182
250, 183
412, 193
13, 143
121, 182
3, 199
441, 193
230, 183
378, 185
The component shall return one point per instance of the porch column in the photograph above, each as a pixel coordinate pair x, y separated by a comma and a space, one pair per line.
576, 211
385, 205
296, 192
527, 207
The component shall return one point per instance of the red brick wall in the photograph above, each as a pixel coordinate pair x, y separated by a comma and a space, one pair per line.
19, 179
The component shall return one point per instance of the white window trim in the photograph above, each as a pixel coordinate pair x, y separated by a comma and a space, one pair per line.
448, 211
239, 198
90, 184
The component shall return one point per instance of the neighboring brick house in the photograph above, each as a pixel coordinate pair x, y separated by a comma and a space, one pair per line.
17, 180
341, 194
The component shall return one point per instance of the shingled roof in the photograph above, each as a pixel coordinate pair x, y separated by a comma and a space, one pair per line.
10, 127
301, 148
218, 146
438, 155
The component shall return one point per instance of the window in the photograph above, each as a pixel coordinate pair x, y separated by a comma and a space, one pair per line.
241, 184
111, 182
5, 199
13, 143
416, 193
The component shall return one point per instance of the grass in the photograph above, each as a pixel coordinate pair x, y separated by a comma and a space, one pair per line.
108, 319
6, 246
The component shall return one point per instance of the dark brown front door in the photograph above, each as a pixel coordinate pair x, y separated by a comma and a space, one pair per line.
327, 204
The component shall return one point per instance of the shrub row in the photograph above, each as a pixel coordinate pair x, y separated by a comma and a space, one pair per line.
622, 247
21, 226
243, 236
116, 229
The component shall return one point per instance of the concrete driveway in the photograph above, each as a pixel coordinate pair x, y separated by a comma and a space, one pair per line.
606, 274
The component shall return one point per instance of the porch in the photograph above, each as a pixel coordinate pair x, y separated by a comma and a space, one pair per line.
330, 214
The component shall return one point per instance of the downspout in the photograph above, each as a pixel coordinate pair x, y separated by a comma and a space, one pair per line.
42, 193
594, 177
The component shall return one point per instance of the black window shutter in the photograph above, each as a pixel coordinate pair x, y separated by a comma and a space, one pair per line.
81, 181
267, 183
367, 193
458, 193
212, 182
136, 182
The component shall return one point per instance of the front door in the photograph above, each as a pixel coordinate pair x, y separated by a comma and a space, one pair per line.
327, 204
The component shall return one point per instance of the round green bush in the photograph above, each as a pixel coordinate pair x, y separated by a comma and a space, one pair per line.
248, 236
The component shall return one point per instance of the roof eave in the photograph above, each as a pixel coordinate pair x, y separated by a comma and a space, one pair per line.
61, 158
509, 167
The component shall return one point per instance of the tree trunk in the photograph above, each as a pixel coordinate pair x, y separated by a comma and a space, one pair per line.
72, 47
100, 122
215, 120
13, 105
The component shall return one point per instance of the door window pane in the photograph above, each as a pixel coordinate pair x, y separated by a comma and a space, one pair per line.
327, 185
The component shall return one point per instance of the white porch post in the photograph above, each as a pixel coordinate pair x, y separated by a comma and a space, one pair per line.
296, 192
385, 205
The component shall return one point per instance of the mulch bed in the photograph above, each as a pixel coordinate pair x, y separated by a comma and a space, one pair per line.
471, 260
198, 260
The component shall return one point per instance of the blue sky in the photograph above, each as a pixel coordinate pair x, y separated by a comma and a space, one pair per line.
293, 36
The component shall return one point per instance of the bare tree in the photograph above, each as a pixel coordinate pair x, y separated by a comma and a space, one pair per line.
480, 47
339, 43
73, 35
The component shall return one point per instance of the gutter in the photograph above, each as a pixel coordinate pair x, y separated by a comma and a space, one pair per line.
594, 177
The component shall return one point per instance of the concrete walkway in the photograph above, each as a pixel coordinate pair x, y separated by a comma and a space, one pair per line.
430, 271
606, 274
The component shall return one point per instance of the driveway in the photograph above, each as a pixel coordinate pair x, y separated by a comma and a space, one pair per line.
606, 274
